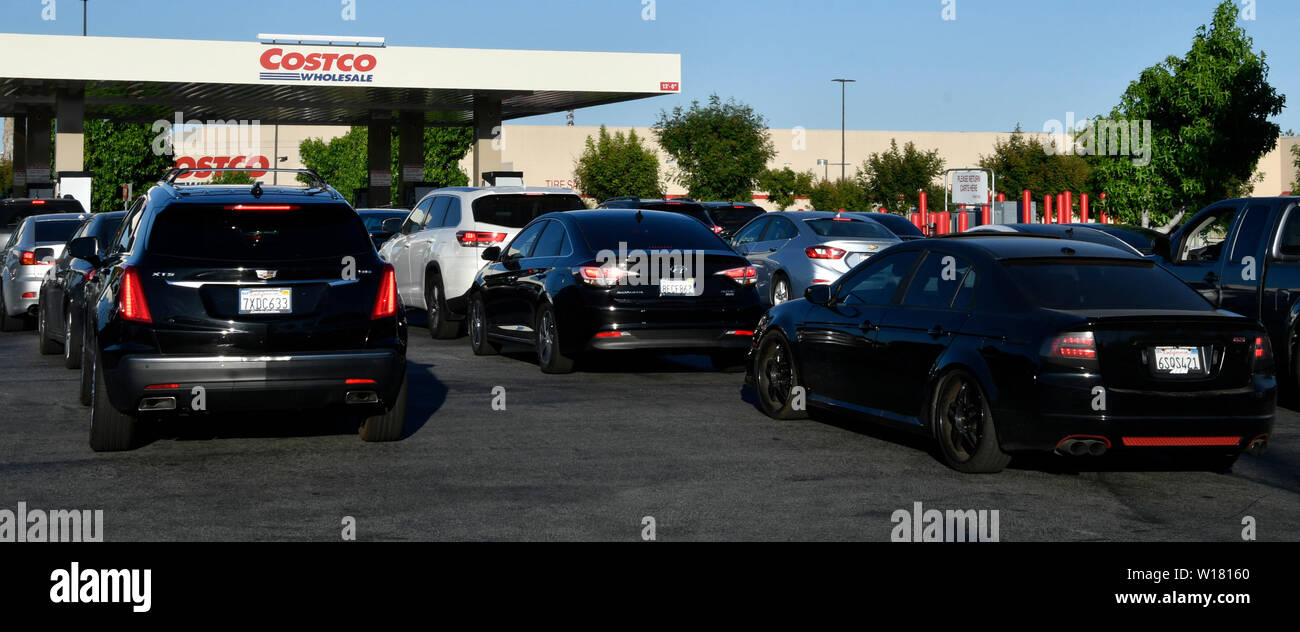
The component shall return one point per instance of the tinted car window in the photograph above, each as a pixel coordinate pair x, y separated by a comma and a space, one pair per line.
105, 231
751, 233
937, 281
898, 225
375, 221
1204, 242
1289, 239
552, 242
416, 219
55, 230
1251, 232
730, 217
780, 229
437, 212
654, 231
966, 295
850, 228
877, 282
524, 242
312, 231
1075, 284
453, 212
685, 208
516, 210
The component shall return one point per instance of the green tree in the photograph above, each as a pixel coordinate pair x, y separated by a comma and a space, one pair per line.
118, 154
783, 185
1295, 186
892, 179
1209, 114
720, 148
232, 177
833, 195
1022, 163
6, 178
342, 162
618, 164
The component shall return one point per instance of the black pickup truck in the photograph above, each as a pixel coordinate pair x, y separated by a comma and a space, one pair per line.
1244, 256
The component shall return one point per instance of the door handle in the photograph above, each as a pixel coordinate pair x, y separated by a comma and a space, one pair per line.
937, 331
868, 326
1211, 277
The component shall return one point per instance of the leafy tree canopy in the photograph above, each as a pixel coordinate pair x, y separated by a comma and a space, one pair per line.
616, 165
720, 148
783, 185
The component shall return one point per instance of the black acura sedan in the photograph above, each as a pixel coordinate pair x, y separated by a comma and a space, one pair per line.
602, 280
1001, 343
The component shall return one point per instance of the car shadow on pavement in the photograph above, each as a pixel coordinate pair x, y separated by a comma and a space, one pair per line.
425, 392
1278, 468
629, 362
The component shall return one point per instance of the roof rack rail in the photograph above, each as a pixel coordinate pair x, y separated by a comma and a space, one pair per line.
314, 178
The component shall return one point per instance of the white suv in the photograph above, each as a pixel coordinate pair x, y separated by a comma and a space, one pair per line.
438, 250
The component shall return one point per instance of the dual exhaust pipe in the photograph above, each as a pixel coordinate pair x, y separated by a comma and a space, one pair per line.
1083, 446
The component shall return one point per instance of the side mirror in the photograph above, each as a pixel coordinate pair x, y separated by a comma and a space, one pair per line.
1162, 247
491, 253
392, 225
86, 249
818, 294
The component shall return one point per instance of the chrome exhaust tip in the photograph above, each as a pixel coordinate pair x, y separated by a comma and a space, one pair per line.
152, 404
361, 397
1257, 445
1096, 448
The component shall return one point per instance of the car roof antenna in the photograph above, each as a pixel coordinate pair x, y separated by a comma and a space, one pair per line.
638, 216
257, 189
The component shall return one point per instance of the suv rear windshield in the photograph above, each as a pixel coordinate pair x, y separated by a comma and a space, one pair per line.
57, 230
684, 208
1080, 284
219, 233
517, 209
730, 217
852, 228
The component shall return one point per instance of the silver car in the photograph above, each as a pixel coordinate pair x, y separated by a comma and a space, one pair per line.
795, 250
29, 252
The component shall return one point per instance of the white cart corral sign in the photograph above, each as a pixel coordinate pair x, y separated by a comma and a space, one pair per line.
970, 187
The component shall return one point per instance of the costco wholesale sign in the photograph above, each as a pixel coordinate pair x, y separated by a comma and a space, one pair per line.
218, 162
279, 65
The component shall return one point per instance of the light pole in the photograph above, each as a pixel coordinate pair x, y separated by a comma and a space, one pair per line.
83, 18
824, 163
843, 89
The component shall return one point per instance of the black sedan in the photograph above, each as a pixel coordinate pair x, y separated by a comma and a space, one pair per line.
1003, 343
1141, 239
61, 302
572, 283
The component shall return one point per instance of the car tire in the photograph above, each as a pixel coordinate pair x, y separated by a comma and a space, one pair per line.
44, 343
550, 355
478, 328
776, 376
435, 302
9, 323
87, 377
71, 340
110, 430
780, 288
387, 426
963, 424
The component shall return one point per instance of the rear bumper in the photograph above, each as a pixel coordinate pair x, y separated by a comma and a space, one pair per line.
15, 303
245, 383
677, 339
1140, 419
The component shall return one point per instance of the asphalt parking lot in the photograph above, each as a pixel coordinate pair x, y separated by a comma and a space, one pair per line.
585, 457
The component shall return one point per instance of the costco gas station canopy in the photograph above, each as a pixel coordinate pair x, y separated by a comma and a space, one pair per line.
304, 80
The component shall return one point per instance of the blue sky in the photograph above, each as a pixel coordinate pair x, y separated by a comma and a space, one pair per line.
1000, 62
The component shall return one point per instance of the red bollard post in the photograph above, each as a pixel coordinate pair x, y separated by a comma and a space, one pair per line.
1060, 208
1047, 209
1027, 207
1105, 219
963, 220
1069, 206
916, 219
987, 217
925, 215
1083, 207
944, 221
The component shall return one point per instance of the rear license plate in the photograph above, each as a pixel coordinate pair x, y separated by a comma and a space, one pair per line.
271, 300
1179, 361
677, 287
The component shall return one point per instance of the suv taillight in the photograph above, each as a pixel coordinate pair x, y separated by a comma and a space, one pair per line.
28, 258
1079, 345
471, 238
132, 305
386, 301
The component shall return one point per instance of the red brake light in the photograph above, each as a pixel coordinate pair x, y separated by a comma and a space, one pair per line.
37, 202
824, 252
611, 334
162, 387
28, 258
360, 381
1263, 348
132, 305
601, 275
386, 301
1075, 346
744, 276
479, 238
262, 207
